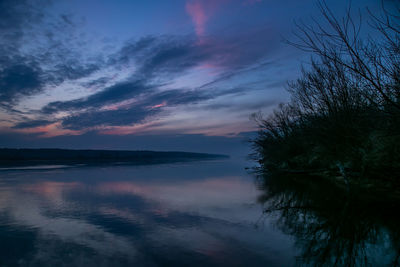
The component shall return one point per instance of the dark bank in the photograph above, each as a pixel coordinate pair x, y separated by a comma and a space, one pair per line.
22, 157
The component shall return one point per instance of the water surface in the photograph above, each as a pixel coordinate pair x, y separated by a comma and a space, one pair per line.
197, 214
205, 213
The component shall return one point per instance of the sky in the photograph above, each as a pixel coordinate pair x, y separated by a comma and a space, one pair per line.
155, 75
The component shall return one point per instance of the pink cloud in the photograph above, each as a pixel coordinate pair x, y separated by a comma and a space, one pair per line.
201, 11
196, 11
163, 104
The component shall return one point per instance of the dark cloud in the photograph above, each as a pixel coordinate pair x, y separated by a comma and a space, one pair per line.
19, 74
176, 97
132, 49
87, 112
119, 117
160, 56
16, 17
155, 56
157, 60
113, 94
132, 114
100, 82
72, 71
23, 76
32, 124
37, 50
163, 56
19, 80
171, 56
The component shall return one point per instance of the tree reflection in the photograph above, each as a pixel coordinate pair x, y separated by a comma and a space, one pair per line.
332, 226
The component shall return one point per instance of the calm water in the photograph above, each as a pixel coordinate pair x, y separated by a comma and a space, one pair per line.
184, 214
201, 213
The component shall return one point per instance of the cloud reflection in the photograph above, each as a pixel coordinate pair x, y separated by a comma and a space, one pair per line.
135, 215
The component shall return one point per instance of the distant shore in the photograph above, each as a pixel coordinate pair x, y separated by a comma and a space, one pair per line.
31, 157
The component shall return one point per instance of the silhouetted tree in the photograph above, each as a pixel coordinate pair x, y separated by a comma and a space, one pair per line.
344, 113
372, 61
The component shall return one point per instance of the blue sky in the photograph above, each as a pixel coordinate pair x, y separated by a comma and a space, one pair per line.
167, 75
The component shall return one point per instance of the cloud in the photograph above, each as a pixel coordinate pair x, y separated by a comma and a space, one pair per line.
226, 76
157, 60
38, 50
200, 12
152, 64
166, 55
157, 56
73, 70
32, 124
20, 75
172, 57
17, 16
199, 17
18, 80
85, 120
100, 82
151, 105
176, 97
113, 94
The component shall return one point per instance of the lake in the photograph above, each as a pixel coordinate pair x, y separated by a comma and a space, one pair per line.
205, 213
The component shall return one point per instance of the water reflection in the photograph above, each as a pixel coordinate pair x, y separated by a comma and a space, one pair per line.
162, 215
331, 226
